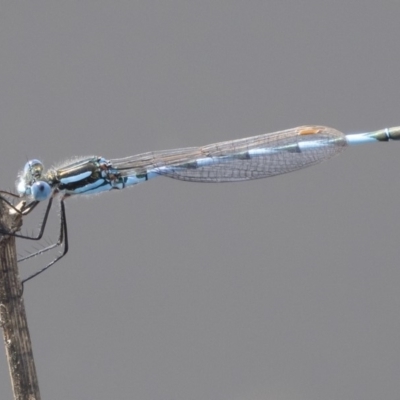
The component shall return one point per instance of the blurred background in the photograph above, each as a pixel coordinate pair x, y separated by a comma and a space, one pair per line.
276, 289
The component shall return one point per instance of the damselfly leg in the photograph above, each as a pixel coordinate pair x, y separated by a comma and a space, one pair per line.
62, 241
63, 235
25, 210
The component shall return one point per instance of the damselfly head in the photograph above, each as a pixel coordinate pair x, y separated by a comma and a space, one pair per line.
29, 183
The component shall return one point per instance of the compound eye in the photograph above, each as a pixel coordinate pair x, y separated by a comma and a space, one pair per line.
40, 191
33, 168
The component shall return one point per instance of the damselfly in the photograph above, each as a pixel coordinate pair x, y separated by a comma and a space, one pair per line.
231, 161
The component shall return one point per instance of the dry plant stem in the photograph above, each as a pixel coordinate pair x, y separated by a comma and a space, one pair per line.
12, 314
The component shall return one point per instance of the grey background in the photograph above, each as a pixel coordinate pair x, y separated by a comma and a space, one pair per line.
285, 288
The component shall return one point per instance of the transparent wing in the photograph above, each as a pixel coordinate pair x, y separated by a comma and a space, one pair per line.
242, 159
